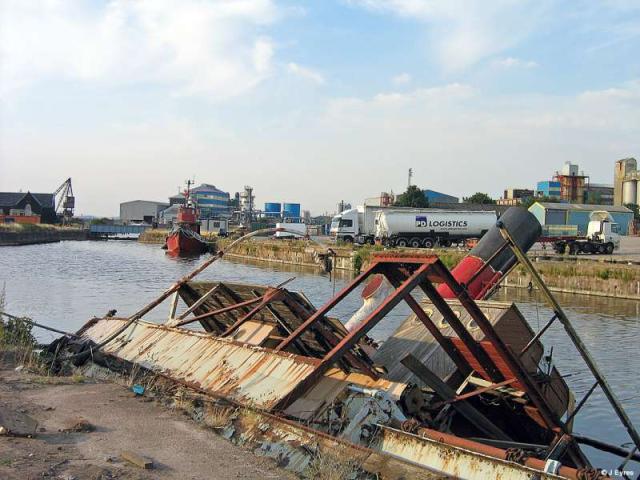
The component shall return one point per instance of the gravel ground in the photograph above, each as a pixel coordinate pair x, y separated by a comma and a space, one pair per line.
179, 448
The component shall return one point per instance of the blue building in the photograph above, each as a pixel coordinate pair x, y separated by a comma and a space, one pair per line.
548, 188
437, 197
579, 214
211, 201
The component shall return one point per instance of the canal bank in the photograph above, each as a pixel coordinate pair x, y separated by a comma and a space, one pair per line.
582, 276
35, 234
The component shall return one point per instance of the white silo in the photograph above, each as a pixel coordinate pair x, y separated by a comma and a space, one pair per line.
629, 192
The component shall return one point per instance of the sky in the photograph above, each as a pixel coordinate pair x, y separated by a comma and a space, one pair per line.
313, 101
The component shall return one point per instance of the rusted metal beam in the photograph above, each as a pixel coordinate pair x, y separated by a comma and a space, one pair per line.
479, 391
271, 295
199, 302
460, 362
353, 337
573, 335
327, 307
446, 393
538, 335
219, 311
463, 334
329, 338
530, 386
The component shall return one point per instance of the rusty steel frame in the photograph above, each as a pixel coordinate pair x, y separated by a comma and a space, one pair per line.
271, 295
523, 377
219, 311
353, 337
573, 336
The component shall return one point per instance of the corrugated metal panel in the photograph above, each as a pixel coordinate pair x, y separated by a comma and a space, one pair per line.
579, 218
247, 375
624, 221
555, 217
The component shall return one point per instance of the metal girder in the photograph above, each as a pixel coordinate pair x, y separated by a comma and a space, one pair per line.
463, 334
573, 335
326, 308
350, 340
271, 295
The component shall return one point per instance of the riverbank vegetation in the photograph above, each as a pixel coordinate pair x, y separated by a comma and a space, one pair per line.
35, 227
585, 276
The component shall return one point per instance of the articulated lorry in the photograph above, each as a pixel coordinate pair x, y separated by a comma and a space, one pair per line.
428, 228
357, 225
602, 236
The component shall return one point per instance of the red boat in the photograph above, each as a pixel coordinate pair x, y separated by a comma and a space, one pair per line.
184, 238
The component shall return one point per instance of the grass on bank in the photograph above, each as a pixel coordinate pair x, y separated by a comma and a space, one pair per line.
34, 227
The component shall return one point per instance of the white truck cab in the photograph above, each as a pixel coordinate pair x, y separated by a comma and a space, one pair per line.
345, 226
604, 231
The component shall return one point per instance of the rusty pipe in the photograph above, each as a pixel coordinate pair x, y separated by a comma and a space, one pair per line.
481, 448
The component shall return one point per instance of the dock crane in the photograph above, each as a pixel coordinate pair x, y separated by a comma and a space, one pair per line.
65, 202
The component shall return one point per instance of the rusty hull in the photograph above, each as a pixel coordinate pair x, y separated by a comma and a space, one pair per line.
225, 368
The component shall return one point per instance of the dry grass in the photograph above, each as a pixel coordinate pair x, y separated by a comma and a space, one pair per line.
611, 279
217, 416
338, 463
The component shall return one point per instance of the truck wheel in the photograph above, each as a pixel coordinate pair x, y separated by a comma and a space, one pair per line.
602, 248
415, 243
428, 243
610, 248
401, 242
445, 243
347, 240
587, 248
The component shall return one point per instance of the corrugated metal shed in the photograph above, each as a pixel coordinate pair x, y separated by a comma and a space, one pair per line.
549, 213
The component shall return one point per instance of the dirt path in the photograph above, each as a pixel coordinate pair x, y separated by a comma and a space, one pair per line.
179, 448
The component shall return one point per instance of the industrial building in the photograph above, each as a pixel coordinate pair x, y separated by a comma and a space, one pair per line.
19, 207
549, 189
625, 182
599, 194
211, 201
383, 200
579, 215
141, 211
438, 197
515, 196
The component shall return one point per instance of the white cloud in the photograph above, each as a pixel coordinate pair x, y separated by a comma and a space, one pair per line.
459, 140
511, 62
306, 73
401, 79
212, 48
462, 32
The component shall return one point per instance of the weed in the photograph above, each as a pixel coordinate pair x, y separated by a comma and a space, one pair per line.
334, 464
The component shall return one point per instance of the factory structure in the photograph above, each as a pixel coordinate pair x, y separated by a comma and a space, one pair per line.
217, 209
625, 180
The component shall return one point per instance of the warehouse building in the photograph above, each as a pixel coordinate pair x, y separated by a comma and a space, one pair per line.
141, 211
579, 214
438, 197
19, 207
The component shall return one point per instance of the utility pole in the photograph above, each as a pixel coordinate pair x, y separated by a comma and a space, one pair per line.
410, 175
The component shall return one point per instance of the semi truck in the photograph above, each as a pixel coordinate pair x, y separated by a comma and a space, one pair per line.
428, 228
357, 225
602, 236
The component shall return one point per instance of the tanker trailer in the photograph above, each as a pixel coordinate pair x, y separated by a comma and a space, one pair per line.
430, 227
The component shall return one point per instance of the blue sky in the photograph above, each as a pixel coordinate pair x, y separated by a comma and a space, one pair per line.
313, 101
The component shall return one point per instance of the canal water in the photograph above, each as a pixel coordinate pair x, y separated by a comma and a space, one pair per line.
64, 284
